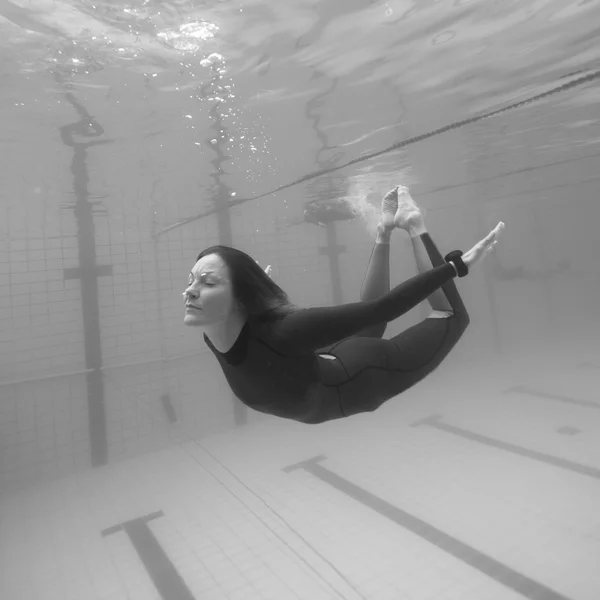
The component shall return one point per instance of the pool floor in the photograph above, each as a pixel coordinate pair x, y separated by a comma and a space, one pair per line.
463, 490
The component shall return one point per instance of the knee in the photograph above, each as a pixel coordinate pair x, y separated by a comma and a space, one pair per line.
461, 317
463, 320
440, 314
460, 320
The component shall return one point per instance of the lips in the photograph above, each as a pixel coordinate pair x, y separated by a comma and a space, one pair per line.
188, 306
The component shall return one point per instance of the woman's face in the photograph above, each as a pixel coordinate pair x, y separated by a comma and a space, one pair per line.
209, 295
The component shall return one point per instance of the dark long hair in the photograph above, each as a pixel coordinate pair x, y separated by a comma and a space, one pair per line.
258, 295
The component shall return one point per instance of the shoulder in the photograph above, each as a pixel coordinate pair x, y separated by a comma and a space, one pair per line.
272, 324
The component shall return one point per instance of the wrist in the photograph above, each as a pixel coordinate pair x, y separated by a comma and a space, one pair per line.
455, 258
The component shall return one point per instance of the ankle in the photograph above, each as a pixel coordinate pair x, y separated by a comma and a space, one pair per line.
384, 234
416, 229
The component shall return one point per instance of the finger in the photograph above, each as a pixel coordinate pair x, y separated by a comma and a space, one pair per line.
498, 228
489, 237
494, 232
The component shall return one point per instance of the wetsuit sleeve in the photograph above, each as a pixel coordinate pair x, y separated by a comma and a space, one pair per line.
310, 329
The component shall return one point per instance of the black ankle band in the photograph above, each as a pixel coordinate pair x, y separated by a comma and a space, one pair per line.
455, 258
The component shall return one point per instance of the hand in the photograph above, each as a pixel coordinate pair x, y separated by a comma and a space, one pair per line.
268, 270
483, 247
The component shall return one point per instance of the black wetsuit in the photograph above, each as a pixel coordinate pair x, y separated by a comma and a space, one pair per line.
277, 366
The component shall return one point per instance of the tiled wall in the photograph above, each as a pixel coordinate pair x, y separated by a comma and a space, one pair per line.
43, 409
150, 362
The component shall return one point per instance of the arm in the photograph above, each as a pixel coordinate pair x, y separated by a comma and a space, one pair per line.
312, 328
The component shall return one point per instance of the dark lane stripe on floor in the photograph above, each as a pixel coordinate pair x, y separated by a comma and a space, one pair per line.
523, 389
434, 421
500, 573
161, 570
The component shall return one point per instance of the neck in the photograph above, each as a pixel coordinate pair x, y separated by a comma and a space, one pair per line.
224, 335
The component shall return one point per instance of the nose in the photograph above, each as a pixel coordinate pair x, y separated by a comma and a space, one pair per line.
190, 293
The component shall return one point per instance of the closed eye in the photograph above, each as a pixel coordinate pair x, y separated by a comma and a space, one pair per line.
203, 282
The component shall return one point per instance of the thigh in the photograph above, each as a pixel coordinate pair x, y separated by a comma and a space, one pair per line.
376, 332
373, 370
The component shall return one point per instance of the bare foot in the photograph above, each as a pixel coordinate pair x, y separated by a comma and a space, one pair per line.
408, 214
389, 206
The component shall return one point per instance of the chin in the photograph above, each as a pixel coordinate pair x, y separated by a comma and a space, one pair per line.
192, 320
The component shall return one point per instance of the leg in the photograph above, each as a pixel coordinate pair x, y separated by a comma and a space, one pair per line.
370, 371
398, 209
438, 300
409, 217
404, 296
377, 278
366, 372
376, 283
447, 299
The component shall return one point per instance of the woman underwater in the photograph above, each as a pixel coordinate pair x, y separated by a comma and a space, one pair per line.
317, 364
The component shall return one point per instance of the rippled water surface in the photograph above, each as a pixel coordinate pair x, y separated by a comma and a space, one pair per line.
470, 46
470, 56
